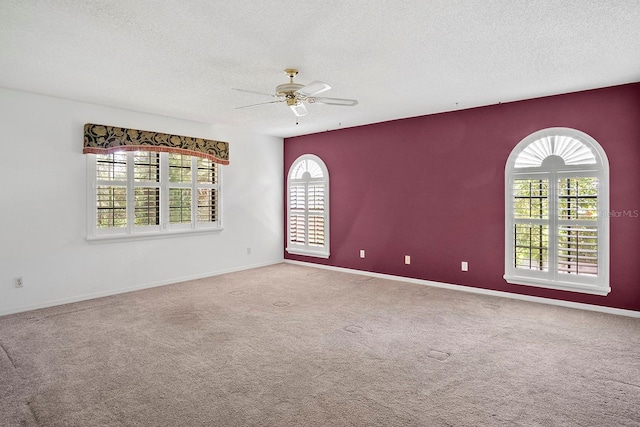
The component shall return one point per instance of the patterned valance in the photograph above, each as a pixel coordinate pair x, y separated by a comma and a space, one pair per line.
101, 139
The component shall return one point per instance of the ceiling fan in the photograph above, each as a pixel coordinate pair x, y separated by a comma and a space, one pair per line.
296, 95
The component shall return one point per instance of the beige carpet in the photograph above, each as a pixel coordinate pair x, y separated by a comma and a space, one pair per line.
288, 345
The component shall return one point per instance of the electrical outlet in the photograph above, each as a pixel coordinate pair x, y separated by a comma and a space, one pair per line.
248, 251
361, 253
19, 282
465, 266
407, 259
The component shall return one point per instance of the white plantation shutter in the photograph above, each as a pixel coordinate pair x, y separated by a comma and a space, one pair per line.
297, 198
316, 215
111, 206
147, 206
297, 226
308, 207
146, 170
578, 225
206, 186
557, 204
578, 250
111, 191
315, 232
297, 208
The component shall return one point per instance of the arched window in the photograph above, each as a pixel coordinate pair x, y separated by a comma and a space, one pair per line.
308, 207
557, 212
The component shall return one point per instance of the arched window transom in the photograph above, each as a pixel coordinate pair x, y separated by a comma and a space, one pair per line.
569, 149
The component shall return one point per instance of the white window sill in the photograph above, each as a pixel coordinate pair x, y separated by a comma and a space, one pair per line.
295, 251
558, 285
112, 238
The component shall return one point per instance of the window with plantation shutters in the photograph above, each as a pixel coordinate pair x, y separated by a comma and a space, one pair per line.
308, 207
556, 212
146, 183
146, 193
111, 190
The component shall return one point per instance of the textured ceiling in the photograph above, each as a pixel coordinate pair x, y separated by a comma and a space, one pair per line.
398, 58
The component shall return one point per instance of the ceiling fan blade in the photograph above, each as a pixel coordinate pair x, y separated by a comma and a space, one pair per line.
299, 109
313, 88
335, 101
260, 103
254, 92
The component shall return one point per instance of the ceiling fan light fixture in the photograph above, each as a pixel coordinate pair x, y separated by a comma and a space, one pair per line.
298, 109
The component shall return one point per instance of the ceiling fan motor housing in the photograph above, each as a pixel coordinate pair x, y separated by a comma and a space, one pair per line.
288, 89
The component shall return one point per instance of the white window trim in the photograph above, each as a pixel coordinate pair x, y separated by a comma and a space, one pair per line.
300, 249
164, 229
598, 285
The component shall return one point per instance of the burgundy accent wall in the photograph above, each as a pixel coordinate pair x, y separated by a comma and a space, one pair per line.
432, 187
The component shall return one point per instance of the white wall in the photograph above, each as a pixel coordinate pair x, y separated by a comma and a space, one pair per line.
43, 207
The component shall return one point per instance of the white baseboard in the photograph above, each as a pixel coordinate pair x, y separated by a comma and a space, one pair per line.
95, 295
561, 303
